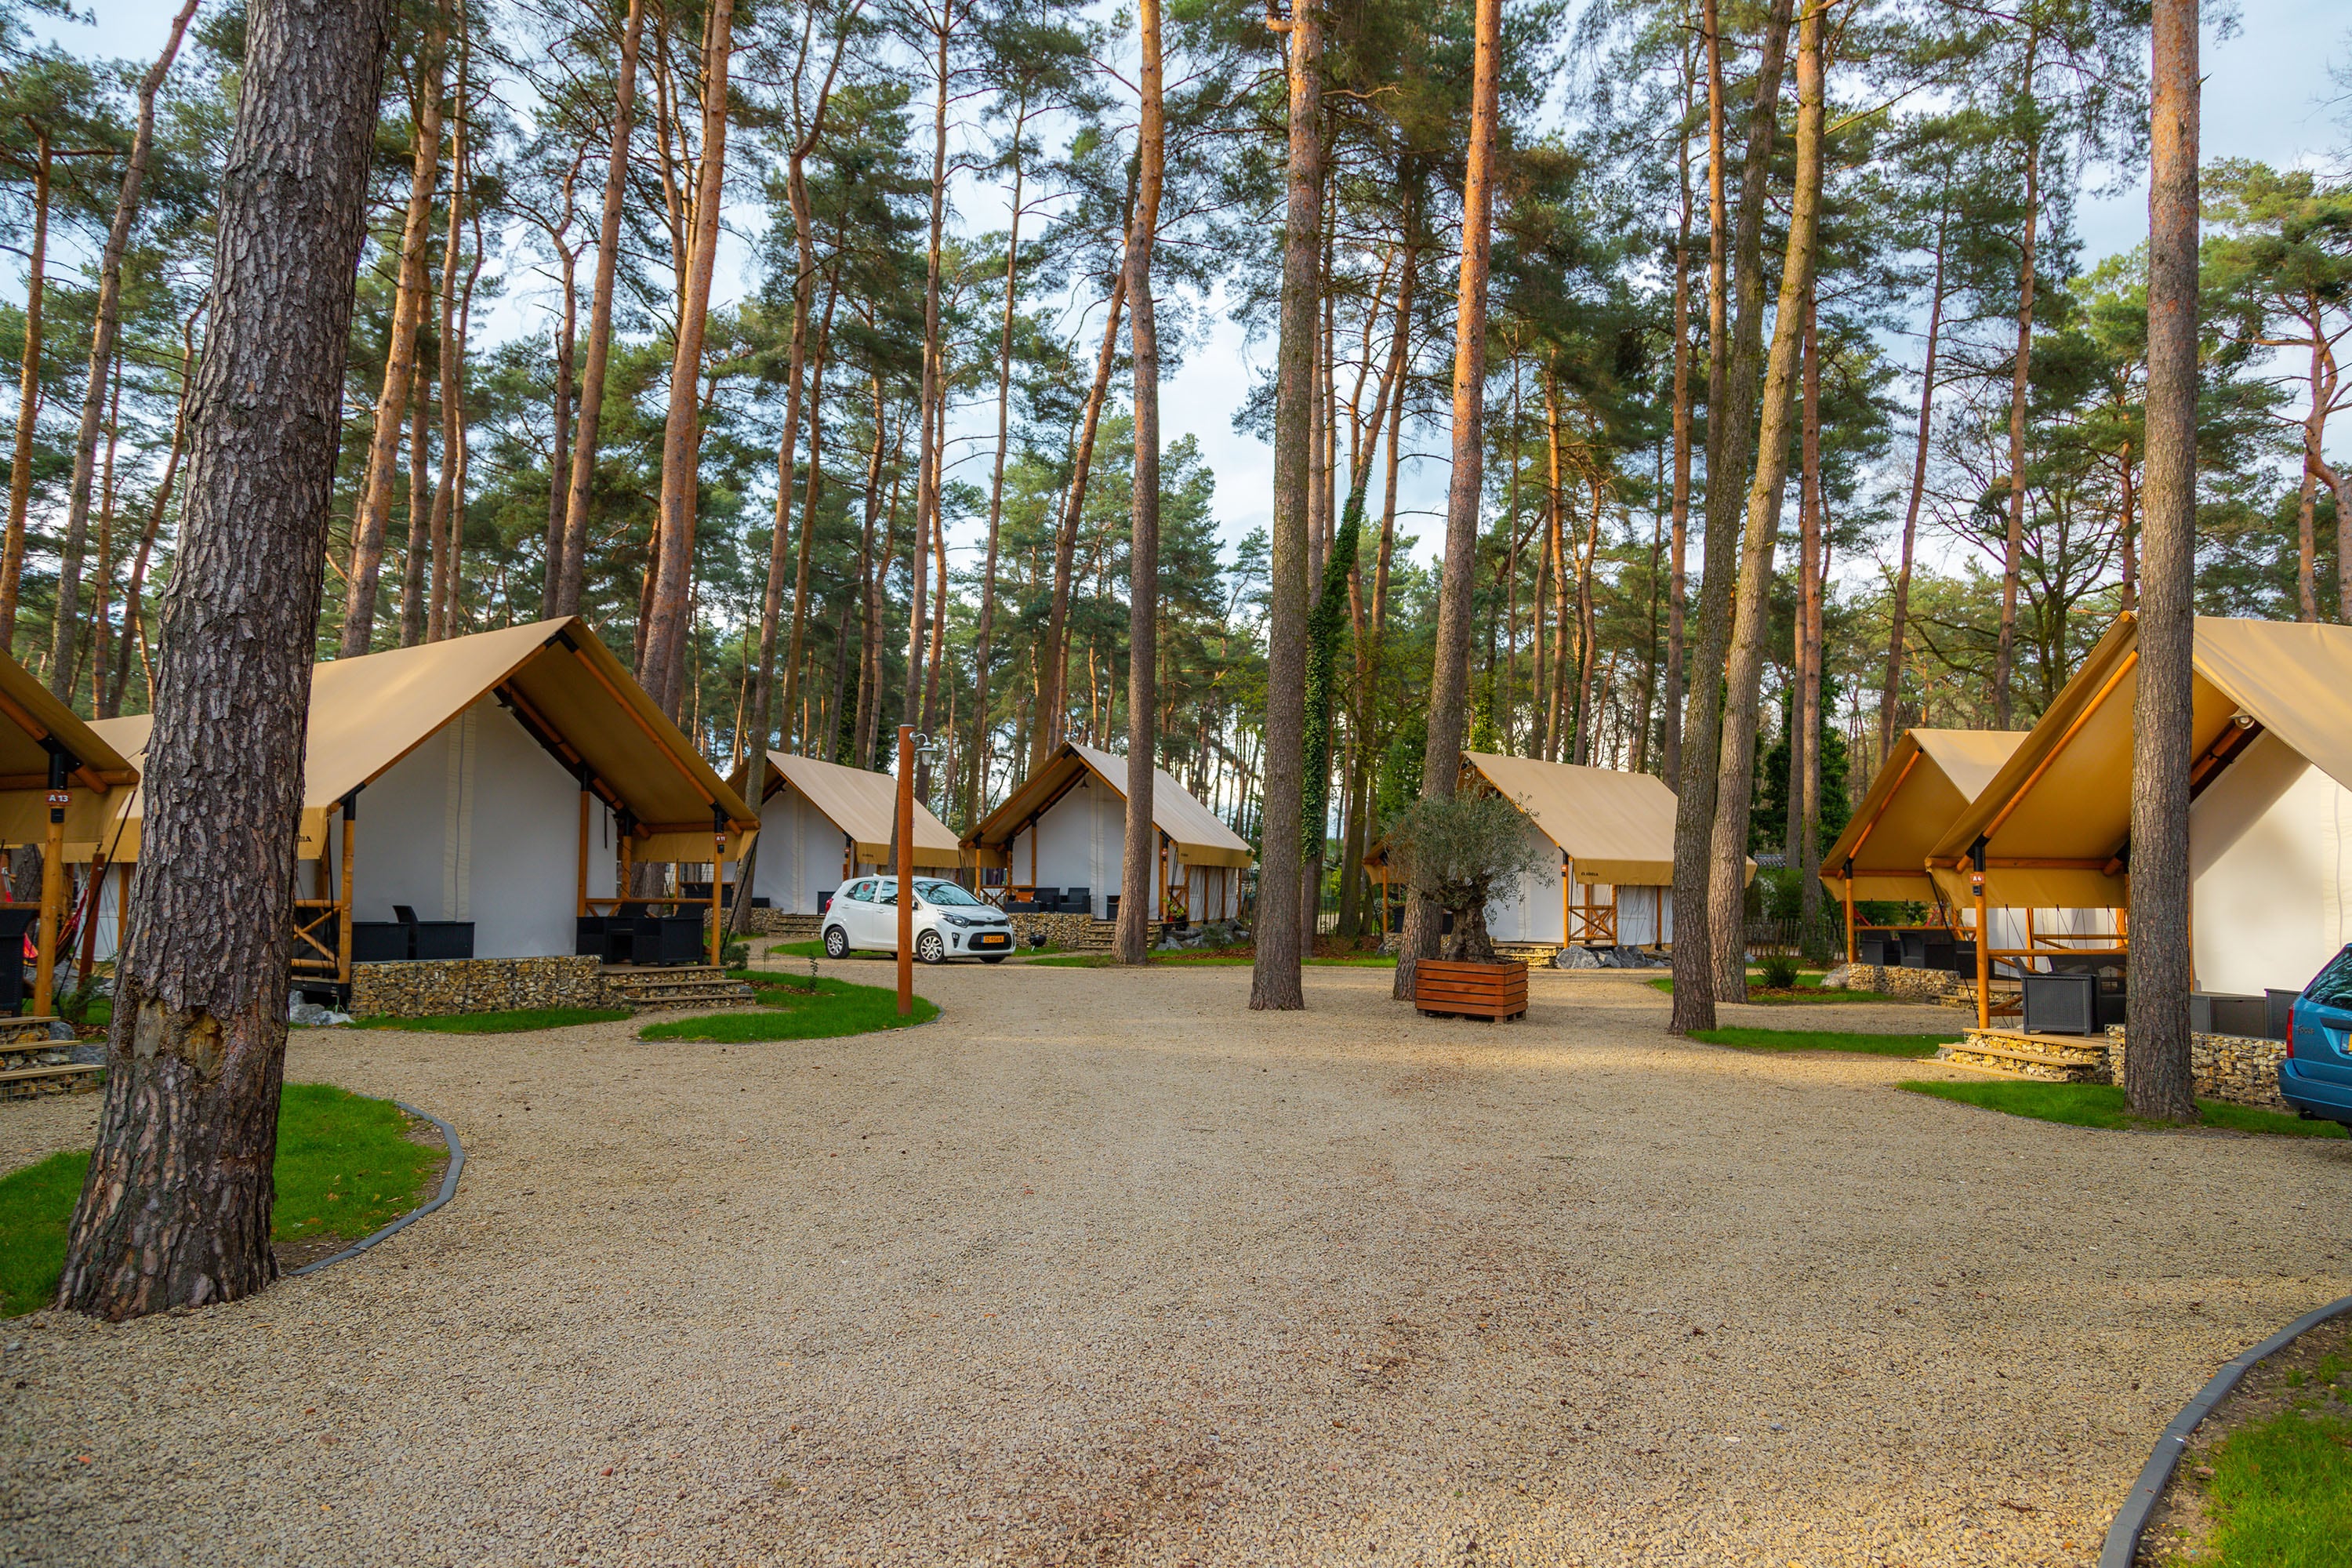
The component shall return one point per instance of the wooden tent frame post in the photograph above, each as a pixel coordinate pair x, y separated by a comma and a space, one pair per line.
717, 886
1845, 896
344, 897
1984, 936
44, 974
582, 857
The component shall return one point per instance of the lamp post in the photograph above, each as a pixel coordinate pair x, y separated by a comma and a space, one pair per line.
911, 747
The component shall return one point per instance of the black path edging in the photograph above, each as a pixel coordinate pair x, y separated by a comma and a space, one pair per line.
449, 1191
2122, 1546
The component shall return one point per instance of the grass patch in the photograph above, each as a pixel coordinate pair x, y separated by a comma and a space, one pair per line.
1911, 1046
2102, 1105
810, 949
1218, 958
346, 1167
2281, 1489
792, 1012
521, 1020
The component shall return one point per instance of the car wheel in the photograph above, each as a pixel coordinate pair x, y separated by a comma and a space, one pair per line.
930, 948
992, 958
836, 942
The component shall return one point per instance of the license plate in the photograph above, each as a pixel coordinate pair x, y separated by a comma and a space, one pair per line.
991, 939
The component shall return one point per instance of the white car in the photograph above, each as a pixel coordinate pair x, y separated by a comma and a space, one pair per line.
949, 921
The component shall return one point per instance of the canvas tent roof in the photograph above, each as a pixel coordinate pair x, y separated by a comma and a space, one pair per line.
562, 684
29, 716
2057, 817
861, 804
1199, 836
1929, 779
1617, 828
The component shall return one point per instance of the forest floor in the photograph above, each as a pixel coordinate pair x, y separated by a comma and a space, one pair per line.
1105, 1267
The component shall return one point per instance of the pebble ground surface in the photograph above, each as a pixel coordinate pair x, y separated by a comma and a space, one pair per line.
1102, 1268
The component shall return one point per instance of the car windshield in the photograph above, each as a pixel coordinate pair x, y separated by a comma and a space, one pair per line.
2332, 988
945, 893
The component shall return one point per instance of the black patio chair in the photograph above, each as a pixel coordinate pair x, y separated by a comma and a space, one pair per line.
1079, 901
667, 938
381, 941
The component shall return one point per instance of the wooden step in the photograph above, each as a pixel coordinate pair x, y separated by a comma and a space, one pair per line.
62, 1077
2016, 1060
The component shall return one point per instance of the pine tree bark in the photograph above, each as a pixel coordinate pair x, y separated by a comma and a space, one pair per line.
175, 1210
2012, 557
1139, 862
1449, 682
1678, 582
451, 357
1736, 768
581, 474
65, 625
1731, 401
559, 445
383, 472
1804, 813
926, 464
421, 490
1274, 983
984, 633
1890, 693
663, 667
29, 395
2157, 1081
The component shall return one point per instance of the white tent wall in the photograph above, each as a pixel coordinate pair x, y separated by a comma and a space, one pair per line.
2269, 859
1080, 841
799, 853
479, 824
1528, 908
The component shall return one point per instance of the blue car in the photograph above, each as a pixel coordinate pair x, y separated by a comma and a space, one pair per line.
2317, 1076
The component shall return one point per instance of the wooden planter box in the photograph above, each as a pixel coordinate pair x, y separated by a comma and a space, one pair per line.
1488, 991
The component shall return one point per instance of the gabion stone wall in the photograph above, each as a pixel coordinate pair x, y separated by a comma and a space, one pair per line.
430, 987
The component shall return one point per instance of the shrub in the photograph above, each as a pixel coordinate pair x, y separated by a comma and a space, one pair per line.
1452, 850
1778, 973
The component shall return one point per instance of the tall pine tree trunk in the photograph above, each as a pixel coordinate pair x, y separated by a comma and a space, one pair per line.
2004, 663
1274, 975
28, 395
1736, 768
1731, 406
1139, 877
580, 474
1890, 693
663, 670
2156, 1079
1450, 677
1678, 584
983, 633
175, 1209
65, 625
383, 472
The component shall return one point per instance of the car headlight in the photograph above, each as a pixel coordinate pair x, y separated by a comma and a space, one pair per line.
955, 919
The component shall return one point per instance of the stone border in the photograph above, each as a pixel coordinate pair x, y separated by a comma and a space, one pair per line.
449, 1191
2121, 1549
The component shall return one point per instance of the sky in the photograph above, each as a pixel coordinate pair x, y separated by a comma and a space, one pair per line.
2268, 96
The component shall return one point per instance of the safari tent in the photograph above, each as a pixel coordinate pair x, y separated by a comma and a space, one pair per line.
58, 779
1066, 828
1929, 777
2270, 822
504, 781
822, 824
1610, 837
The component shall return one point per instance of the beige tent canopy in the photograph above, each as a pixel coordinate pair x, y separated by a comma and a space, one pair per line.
862, 804
35, 722
2057, 818
47, 751
1929, 779
1198, 835
1616, 828
562, 685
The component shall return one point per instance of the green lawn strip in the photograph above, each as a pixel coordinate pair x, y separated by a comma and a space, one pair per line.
1911, 1046
797, 950
345, 1169
791, 1012
2102, 1105
2281, 1489
519, 1021
1809, 993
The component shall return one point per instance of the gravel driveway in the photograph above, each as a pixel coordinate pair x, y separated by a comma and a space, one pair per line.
1102, 1268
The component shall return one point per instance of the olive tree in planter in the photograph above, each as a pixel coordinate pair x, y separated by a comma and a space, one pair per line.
1453, 849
